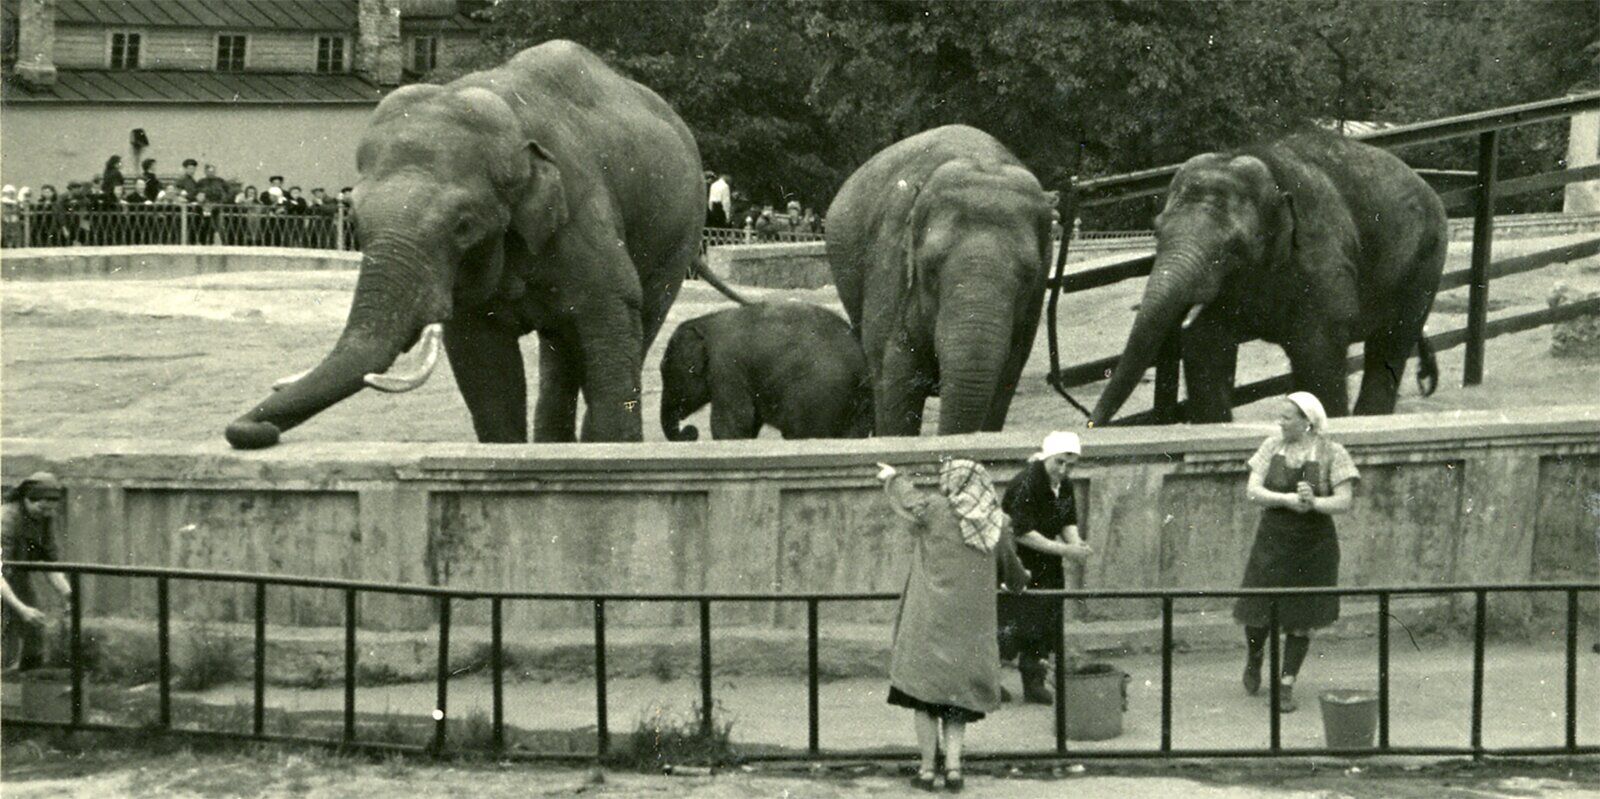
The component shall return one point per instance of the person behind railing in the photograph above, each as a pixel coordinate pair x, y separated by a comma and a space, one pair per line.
1301, 479
138, 219
152, 184
347, 200
10, 217
202, 219
944, 663
25, 534
47, 227
1044, 518
246, 216
111, 178
719, 202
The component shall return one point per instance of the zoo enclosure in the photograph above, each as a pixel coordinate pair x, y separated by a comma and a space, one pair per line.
1480, 196
445, 598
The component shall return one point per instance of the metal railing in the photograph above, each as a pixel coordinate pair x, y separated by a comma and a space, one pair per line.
446, 598
1480, 197
72, 225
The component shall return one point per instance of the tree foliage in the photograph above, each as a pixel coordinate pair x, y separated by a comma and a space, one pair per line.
790, 96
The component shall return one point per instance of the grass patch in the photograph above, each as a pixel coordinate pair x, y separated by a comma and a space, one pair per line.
212, 660
661, 739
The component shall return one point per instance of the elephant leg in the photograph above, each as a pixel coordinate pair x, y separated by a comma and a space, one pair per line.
1210, 361
733, 407
488, 369
899, 394
1384, 355
555, 416
1317, 361
610, 338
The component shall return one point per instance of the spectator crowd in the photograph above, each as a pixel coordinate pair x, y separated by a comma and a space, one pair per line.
729, 209
194, 207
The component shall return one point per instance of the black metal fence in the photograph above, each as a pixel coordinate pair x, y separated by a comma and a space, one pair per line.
446, 598
1480, 197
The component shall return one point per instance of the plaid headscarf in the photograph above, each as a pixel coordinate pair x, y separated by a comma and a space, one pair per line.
971, 493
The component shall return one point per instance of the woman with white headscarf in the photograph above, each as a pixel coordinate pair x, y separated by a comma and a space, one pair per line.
945, 664
1301, 479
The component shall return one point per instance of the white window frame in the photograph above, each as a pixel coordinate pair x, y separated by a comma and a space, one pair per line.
111, 37
244, 59
344, 53
412, 52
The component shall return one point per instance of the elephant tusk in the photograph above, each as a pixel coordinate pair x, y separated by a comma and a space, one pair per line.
1194, 313
285, 382
431, 336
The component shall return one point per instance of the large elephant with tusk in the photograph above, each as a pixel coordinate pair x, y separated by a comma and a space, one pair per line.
549, 194
1310, 242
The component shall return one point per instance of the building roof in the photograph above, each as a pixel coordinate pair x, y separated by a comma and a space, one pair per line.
304, 15
173, 86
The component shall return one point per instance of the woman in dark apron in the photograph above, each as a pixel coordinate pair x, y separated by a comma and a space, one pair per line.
1302, 480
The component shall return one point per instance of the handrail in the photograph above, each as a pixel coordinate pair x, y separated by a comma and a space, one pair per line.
208, 575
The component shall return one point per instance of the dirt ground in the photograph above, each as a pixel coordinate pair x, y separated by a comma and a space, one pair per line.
180, 358
38, 769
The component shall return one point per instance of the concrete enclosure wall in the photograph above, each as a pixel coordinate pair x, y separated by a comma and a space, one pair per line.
1508, 496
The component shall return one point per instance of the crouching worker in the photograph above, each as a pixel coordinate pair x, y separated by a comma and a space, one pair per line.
25, 535
945, 664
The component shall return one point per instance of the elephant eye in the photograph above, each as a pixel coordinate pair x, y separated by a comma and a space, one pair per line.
464, 227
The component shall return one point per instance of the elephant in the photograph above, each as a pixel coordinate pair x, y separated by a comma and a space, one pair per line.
789, 364
939, 247
1311, 242
547, 194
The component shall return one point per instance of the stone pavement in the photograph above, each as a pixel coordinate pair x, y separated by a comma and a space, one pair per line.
1524, 702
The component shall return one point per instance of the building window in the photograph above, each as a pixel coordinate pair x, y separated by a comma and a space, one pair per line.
424, 54
125, 50
230, 52
330, 53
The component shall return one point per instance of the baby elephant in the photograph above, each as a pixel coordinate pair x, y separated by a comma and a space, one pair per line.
792, 365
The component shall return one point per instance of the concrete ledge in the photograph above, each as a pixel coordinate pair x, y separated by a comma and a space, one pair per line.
800, 265
145, 262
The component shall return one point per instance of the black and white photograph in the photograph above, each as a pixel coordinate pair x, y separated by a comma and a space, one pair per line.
800, 398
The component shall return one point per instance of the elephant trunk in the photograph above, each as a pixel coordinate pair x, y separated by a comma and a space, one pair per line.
973, 348
392, 304
1182, 278
672, 414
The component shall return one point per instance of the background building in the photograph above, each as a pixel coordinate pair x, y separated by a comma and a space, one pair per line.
257, 87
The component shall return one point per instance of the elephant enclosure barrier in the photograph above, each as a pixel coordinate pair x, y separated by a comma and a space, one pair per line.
1486, 188
495, 743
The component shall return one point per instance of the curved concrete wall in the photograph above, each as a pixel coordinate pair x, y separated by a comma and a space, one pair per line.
1463, 497
143, 262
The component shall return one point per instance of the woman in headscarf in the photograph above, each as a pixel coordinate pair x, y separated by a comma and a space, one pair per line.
1301, 479
945, 665
25, 535
1044, 518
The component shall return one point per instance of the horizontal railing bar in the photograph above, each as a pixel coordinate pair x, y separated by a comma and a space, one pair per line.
1135, 267
1148, 182
1523, 263
1523, 185
845, 596
1482, 121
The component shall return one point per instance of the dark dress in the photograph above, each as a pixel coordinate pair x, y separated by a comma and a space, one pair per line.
1295, 550
22, 537
1030, 625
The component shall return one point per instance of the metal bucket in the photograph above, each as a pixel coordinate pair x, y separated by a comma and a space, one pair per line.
1096, 694
1349, 718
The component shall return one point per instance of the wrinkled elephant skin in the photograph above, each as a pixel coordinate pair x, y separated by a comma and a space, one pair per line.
792, 365
1310, 242
549, 194
939, 246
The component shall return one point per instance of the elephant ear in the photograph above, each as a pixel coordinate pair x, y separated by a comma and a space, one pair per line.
1277, 207
540, 209
908, 242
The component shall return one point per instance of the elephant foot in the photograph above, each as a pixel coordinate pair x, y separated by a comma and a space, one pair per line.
249, 434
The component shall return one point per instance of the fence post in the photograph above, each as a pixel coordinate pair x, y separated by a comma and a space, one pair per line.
338, 227
183, 224
27, 225
1482, 244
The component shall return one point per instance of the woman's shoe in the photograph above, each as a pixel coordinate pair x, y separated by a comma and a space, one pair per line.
924, 782
1286, 698
953, 783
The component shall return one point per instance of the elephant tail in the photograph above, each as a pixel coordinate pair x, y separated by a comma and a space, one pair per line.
716, 282
1427, 368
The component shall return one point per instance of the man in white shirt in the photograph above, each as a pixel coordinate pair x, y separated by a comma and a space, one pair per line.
719, 203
